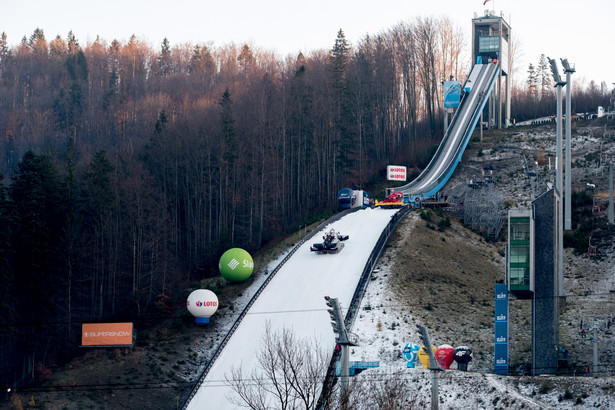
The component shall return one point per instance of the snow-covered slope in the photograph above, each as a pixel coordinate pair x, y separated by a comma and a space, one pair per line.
295, 300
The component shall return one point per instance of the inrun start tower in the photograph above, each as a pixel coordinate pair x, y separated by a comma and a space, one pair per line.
491, 41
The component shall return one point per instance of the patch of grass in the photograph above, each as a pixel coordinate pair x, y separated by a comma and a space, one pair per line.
426, 215
545, 387
444, 223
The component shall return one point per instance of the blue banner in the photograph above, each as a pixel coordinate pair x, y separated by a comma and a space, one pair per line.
501, 310
501, 329
452, 94
501, 359
501, 332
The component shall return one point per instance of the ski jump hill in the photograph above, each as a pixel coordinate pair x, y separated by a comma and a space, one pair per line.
293, 296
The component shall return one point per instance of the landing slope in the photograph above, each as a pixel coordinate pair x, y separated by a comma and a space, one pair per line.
295, 299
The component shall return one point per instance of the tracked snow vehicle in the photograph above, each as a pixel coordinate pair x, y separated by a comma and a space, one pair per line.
332, 243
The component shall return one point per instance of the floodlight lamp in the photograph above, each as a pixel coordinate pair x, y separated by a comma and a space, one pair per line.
555, 71
567, 67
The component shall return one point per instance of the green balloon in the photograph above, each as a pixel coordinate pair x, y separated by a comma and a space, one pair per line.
236, 264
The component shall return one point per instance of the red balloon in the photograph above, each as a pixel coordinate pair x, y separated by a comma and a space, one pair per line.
444, 356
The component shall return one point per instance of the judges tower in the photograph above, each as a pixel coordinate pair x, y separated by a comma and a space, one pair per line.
491, 41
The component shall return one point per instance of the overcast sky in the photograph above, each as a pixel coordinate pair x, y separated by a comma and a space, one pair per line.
580, 31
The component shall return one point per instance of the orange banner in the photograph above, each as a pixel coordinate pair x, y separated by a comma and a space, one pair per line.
106, 334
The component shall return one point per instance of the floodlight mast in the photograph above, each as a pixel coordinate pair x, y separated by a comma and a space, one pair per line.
558, 179
337, 321
568, 69
339, 327
434, 366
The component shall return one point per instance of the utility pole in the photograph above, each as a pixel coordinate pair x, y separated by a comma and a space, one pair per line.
595, 354
602, 322
434, 366
339, 327
611, 214
481, 126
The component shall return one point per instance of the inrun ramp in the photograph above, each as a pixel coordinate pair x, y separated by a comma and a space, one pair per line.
481, 81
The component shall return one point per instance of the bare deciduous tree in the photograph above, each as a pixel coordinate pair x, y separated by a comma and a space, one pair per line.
289, 375
384, 391
452, 43
516, 53
426, 37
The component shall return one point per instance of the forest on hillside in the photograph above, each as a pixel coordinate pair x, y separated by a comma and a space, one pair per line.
126, 170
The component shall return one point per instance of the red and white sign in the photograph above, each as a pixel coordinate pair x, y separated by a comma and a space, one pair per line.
396, 173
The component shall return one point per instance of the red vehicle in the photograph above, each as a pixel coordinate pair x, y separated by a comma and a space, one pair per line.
393, 200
